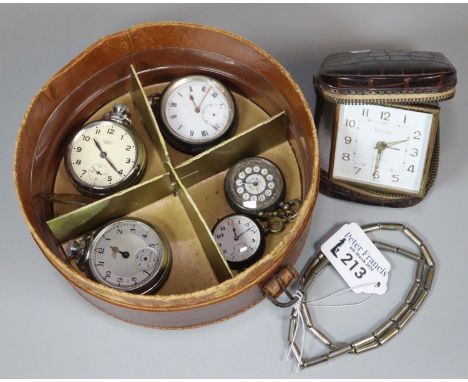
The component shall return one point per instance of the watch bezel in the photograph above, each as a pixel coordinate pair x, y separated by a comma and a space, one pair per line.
248, 211
241, 265
132, 177
183, 144
155, 282
434, 110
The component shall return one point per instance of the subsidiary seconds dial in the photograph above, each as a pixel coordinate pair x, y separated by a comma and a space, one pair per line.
196, 112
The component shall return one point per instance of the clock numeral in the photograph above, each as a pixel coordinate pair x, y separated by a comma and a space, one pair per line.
410, 168
119, 231
219, 235
109, 178
101, 263
376, 175
346, 157
119, 280
192, 132
83, 172
153, 245
108, 274
404, 119
348, 139
79, 148
357, 170
120, 172
414, 152
203, 89
204, 133
214, 95
128, 148
417, 134
191, 89
385, 115
173, 116
365, 113
86, 138
122, 137
395, 178
350, 123
110, 131
78, 162
134, 279
97, 131
222, 228
173, 104
127, 160
100, 250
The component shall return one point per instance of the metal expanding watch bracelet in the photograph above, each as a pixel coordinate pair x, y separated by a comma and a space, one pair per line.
380, 335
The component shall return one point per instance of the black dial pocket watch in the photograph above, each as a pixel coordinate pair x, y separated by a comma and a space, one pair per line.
107, 155
126, 254
195, 113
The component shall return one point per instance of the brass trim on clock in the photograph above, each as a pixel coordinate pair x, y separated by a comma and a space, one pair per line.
434, 110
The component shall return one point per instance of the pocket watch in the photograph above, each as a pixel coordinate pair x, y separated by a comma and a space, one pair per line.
385, 148
195, 113
107, 155
126, 254
241, 240
254, 184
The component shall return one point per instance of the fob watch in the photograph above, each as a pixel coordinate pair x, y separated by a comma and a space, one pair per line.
241, 240
195, 113
107, 155
254, 184
126, 254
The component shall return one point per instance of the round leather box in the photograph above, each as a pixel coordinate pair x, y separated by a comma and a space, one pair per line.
100, 76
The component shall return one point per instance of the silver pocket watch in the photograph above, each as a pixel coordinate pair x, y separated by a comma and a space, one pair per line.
195, 112
254, 184
126, 254
107, 155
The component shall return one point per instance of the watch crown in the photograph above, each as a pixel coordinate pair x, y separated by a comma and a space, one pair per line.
119, 114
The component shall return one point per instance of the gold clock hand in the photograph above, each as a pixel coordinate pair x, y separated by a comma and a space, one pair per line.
199, 105
380, 146
194, 104
388, 144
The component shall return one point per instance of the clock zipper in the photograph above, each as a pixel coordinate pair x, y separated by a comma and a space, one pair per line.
384, 98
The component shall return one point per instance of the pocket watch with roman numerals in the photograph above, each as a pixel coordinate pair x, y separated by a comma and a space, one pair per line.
107, 155
195, 113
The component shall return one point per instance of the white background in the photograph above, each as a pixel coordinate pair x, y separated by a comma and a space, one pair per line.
47, 330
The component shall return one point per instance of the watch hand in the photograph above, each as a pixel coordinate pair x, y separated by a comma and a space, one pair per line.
388, 144
114, 250
380, 146
98, 146
238, 236
124, 254
199, 105
113, 166
197, 110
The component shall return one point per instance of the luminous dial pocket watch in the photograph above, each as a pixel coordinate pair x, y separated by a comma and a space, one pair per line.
126, 254
106, 156
195, 113
254, 184
241, 240
387, 148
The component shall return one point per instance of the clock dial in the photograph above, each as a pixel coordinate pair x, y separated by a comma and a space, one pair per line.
382, 146
254, 184
102, 155
197, 111
126, 255
240, 239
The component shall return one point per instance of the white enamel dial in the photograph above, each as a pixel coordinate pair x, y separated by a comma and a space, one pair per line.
197, 109
102, 155
254, 184
126, 254
382, 146
239, 238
